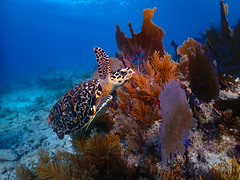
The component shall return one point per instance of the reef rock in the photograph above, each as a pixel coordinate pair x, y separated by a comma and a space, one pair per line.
8, 155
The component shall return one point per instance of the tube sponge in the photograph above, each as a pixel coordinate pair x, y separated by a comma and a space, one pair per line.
177, 120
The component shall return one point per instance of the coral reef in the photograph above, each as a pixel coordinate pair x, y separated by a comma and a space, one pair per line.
198, 138
138, 108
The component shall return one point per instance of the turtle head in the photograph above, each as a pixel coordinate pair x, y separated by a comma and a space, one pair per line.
121, 76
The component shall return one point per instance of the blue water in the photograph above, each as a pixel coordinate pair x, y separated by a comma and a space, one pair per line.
61, 34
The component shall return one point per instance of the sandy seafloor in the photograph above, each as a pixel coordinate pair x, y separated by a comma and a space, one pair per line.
24, 128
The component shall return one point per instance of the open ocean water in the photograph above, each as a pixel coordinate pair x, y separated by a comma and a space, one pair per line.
46, 48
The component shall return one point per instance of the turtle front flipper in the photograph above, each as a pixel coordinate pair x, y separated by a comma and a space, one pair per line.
99, 109
103, 62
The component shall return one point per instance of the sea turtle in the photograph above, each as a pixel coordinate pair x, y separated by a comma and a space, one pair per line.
79, 106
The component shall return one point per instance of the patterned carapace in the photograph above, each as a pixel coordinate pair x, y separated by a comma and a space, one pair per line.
72, 111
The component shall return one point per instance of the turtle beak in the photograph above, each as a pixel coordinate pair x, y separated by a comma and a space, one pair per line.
131, 73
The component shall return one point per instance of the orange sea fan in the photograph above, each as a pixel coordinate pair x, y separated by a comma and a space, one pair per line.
184, 50
164, 67
187, 47
139, 87
139, 98
143, 44
144, 93
142, 88
146, 113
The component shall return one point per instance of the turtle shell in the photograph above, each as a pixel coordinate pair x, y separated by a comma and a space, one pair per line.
72, 111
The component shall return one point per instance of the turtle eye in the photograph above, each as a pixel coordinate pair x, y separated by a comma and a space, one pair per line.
123, 73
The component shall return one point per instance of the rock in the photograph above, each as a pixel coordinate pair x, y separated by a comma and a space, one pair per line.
12, 116
7, 141
7, 155
8, 114
5, 167
30, 159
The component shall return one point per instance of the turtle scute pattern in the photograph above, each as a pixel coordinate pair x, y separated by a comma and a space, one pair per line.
72, 111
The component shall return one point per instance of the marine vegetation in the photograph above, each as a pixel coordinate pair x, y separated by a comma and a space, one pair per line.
143, 44
96, 158
197, 64
177, 120
229, 110
223, 48
168, 120
224, 173
225, 45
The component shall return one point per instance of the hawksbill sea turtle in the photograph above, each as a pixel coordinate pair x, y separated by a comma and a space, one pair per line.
79, 106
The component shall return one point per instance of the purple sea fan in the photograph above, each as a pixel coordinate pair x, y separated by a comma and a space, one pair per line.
177, 120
